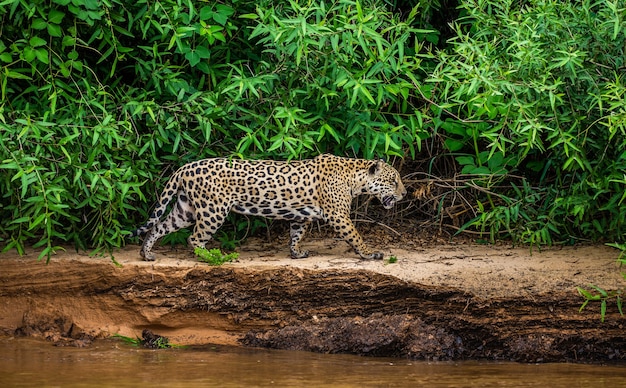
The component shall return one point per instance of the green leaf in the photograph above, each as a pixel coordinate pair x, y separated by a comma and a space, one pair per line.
481, 170
89, 4
219, 36
602, 291
582, 307
16, 75
466, 160
220, 18
39, 24
7, 2
35, 223
55, 30
55, 16
42, 55
20, 220
28, 54
602, 310
251, 16
206, 13
203, 52
36, 41
225, 9
453, 145
193, 57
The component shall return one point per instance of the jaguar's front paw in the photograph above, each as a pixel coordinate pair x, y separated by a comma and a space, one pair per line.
147, 256
299, 254
372, 256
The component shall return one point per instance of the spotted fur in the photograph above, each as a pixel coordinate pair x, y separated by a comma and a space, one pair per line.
319, 189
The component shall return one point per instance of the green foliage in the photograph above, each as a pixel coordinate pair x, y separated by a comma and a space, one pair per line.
86, 121
534, 90
334, 77
102, 100
214, 256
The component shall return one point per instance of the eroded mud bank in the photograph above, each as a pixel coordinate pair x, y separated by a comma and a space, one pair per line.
323, 310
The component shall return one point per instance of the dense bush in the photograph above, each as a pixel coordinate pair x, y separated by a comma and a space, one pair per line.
101, 100
530, 96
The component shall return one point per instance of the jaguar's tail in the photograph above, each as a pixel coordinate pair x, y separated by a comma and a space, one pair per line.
171, 188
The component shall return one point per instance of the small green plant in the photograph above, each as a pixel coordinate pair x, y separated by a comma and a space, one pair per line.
128, 340
599, 294
214, 256
602, 295
149, 340
392, 260
157, 342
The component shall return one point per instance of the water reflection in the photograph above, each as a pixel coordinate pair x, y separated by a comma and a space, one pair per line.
27, 362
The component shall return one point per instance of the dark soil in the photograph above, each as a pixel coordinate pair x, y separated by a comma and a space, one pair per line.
74, 300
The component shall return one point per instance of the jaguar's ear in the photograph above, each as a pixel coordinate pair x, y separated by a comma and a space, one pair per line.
376, 166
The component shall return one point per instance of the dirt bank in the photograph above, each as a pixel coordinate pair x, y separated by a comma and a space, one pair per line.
447, 301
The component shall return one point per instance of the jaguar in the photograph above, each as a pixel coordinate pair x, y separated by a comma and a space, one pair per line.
302, 191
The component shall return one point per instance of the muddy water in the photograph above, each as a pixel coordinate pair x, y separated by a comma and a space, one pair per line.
28, 362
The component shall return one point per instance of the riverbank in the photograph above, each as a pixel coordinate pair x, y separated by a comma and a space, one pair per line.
438, 302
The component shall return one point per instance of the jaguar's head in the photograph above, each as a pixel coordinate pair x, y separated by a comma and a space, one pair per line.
384, 182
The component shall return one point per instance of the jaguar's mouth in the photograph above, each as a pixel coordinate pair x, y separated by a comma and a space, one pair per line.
388, 201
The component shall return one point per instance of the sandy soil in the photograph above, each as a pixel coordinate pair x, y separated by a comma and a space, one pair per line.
443, 300
490, 271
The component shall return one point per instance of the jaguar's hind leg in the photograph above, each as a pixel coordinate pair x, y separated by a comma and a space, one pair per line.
181, 216
208, 221
296, 232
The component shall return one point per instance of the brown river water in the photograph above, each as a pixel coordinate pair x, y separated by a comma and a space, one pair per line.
27, 362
